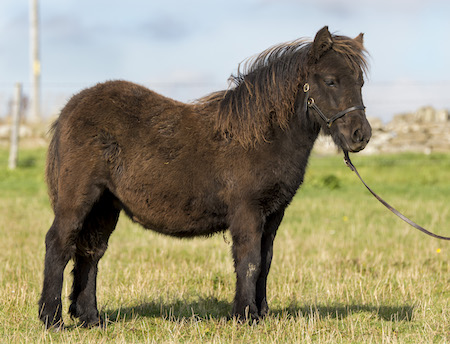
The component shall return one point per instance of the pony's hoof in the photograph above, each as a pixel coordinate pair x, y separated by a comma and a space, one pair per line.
56, 327
97, 323
264, 309
247, 316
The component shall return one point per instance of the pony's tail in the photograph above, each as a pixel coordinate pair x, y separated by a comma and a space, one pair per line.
52, 168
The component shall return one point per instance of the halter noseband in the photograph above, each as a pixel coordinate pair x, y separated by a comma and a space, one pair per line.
329, 121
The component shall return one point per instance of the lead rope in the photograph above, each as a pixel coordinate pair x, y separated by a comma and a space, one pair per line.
348, 162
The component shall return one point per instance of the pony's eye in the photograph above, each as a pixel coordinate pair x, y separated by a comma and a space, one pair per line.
330, 82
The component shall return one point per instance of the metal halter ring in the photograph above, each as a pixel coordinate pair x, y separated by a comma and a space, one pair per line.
306, 88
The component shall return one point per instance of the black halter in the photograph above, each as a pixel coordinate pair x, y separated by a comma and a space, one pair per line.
329, 121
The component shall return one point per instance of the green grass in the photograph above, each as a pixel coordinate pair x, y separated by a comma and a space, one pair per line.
345, 270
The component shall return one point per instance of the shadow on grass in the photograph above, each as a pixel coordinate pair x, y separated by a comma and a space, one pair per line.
388, 313
212, 308
204, 308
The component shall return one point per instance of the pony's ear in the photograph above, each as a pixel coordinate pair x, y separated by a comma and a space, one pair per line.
322, 43
360, 38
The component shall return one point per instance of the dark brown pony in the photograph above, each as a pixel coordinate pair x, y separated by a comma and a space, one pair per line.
232, 160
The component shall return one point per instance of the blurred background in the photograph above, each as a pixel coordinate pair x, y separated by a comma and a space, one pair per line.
186, 49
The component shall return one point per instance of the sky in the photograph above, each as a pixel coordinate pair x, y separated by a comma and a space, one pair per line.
186, 49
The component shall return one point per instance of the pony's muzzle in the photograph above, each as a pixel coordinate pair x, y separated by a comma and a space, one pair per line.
360, 136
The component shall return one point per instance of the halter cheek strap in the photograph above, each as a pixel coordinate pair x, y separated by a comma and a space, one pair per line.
329, 121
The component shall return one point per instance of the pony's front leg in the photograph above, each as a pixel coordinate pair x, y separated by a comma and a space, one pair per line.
246, 232
270, 230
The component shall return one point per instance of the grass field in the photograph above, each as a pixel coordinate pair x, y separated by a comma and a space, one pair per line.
345, 270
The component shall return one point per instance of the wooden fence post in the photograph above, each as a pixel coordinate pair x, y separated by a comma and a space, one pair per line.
15, 122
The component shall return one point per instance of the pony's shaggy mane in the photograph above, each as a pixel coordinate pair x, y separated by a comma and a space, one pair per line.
263, 92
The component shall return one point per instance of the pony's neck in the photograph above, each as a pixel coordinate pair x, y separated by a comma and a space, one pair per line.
296, 141
304, 121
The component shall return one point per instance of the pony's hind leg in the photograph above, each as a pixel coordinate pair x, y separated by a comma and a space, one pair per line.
91, 244
74, 202
56, 258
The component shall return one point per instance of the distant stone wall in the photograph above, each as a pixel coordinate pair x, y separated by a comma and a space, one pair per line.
30, 135
426, 130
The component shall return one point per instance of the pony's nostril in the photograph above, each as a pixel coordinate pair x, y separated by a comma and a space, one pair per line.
358, 136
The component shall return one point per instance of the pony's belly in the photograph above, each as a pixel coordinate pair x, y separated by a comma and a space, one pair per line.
180, 218
183, 227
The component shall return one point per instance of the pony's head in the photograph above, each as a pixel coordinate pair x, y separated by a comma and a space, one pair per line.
336, 66
268, 89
